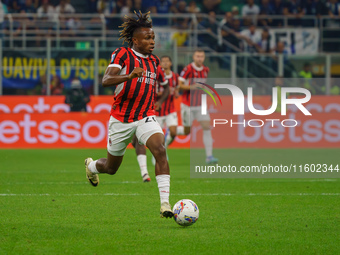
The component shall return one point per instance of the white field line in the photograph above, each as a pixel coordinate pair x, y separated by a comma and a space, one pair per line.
186, 194
138, 182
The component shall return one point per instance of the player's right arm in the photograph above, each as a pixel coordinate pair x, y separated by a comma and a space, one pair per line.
119, 59
113, 78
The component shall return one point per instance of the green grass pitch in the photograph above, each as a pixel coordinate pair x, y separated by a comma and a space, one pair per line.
48, 207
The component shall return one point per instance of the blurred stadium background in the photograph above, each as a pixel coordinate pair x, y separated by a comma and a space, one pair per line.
47, 44
242, 39
46, 204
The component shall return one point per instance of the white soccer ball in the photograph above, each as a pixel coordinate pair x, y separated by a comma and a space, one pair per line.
185, 212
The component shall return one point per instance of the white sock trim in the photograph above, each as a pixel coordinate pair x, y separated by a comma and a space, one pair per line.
180, 130
163, 181
208, 142
142, 161
92, 167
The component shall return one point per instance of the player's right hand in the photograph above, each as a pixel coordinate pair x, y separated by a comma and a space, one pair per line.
137, 72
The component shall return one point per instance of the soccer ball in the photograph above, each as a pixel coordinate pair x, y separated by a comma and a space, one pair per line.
185, 212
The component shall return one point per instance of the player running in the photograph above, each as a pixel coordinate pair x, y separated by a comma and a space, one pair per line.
133, 71
167, 114
188, 82
140, 148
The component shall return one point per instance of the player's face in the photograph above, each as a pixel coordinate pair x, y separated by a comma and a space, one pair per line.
144, 40
166, 63
199, 58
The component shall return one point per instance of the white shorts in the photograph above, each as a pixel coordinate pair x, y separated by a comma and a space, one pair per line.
191, 113
120, 133
168, 120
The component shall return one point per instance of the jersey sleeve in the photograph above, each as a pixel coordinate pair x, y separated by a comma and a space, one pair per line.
176, 80
161, 76
118, 58
185, 74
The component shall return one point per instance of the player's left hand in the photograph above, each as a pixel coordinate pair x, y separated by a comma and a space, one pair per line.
158, 106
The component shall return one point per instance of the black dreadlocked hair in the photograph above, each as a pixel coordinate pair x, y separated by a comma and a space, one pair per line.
131, 25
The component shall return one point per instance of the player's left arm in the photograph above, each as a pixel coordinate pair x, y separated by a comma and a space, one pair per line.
163, 97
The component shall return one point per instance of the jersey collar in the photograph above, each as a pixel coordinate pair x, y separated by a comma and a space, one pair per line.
196, 67
139, 54
168, 76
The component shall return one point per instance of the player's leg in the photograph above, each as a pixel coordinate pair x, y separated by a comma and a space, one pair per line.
161, 121
208, 142
171, 123
150, 133
186, 121
141, 158
156, 145
120, 135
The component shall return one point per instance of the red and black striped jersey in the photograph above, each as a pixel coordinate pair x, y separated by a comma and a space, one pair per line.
134, 99
161, 80
168, 105
192, 74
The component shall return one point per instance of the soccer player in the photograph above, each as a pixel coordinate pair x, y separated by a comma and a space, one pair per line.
188, 82
133, 71
167, 113
140, 148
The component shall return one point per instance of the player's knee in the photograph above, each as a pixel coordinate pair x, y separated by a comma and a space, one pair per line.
159, 151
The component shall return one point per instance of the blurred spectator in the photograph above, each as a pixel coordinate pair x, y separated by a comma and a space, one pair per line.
235, 11
14, 6
334, 90
250, 10
138, 5
334, 12
77, 98
322, 9
56, 85
293, 10
265, 11
307, 78
161, 7
252, 38
229, 31
106, 6
147, 4
211, 25
211, 5
289, 69
334, 7
18, 24
46, 11
309, 8
29, 7
263, 45
180, 36
74, 25
64, 8
182, 23
278, 8
193, 8
127, 7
